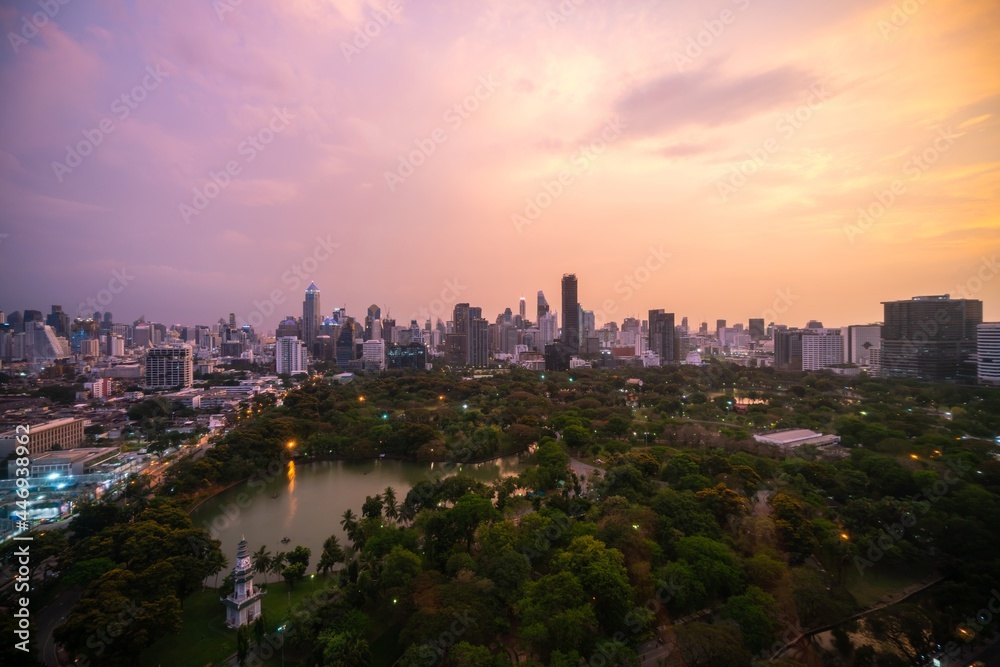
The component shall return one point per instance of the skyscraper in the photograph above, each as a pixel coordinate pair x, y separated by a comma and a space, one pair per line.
478, 339
169, 366
543, 306
571, 313
290, 356
661, 335
931, 338
988, 352
312, 315
373, 317
756, 328
523, 309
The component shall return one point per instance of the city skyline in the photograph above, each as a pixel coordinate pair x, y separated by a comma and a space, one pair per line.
209, 149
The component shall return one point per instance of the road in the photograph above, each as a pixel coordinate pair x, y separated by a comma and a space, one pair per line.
50, 617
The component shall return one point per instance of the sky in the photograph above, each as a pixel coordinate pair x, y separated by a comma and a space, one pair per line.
728, 159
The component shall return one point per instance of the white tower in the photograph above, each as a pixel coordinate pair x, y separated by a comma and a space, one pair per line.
243, 604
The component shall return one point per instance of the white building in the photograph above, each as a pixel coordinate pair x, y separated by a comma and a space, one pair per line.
988, 352
99, 388
822, 350
169, 366
549, 328
243, 604
290, 356
373, 354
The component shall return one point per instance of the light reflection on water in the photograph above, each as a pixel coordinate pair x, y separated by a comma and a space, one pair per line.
311, 497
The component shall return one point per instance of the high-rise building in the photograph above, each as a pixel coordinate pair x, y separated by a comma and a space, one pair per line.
661, 335
312, 316
719, 326
543, 306
290, 356
548, 328
756, 328
814, 324
169, 366
588, 323
788, 350
478, 339
931, 338
412, 356
822, 348
373, 318
522, 309
988, 353
571, 313
373, 354
859, 341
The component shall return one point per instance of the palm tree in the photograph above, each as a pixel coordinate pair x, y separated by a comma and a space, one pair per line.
407, 512
278, 562
332, 554
391, 509
262, 561
349, 523
216, 561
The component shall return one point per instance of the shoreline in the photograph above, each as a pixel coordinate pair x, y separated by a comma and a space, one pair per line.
361, 459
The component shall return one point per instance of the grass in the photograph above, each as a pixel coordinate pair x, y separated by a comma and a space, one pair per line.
204, 638
877, 583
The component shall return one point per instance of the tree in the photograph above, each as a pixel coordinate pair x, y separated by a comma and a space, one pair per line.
293, 573
299, 555
391, 508
372, 507
262, 561
278, 562
331, 555
349, 523
399, 567
242, 644
756, 613
346, 649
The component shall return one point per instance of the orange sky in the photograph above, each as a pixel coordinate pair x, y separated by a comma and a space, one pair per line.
735, 144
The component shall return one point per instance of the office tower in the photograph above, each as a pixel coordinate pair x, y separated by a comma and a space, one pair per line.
543, 305
859, 341
346, 351
756, 328
548, 327
459, 338
661, 335
684, 325
822, 348
373, 317
522, 308
931, 338
814, 324
90, 347
412, 356
988, 353
3, 317
232, 320
59, 321
290, 356
373, 354
571, 313
169, 366
788, 350
288, 327
312, 315
719, 326
477, 339
142, 335
115, 345
107, 317
588, 323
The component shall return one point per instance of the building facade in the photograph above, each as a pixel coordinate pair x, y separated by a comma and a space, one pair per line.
931, 338
988, 352
169, 366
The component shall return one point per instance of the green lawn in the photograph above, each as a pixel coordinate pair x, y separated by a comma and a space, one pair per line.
204, 638
877, 583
